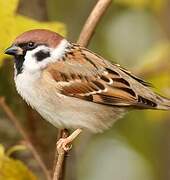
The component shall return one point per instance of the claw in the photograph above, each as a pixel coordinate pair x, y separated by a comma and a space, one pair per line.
64, 143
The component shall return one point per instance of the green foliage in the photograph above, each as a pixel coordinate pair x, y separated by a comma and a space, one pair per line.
154, 5
13, 24
11, 169
151, 63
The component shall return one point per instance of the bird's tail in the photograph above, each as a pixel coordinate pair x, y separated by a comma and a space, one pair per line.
163, 103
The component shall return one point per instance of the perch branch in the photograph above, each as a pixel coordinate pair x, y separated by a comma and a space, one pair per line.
84, 38
92, 21
7, 110
60, 155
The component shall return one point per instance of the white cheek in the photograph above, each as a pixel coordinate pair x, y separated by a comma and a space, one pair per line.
32, 65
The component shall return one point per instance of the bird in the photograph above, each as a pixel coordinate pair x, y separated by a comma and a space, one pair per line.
72, 87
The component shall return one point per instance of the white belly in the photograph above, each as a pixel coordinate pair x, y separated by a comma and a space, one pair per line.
63, 111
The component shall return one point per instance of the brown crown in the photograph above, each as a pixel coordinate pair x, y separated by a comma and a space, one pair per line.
41, 36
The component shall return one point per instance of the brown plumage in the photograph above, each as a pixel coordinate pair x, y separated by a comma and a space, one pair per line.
72, 87
85, 75
40, 36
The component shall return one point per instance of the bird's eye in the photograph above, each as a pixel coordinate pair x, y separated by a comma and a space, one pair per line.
30, 45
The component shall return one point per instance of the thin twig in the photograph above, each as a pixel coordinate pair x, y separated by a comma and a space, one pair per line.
84, 38
16, 122
92, 21
60, 155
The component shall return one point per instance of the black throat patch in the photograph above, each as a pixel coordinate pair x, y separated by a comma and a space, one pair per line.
19, 60
41, 55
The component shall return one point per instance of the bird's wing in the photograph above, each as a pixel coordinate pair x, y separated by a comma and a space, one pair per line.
85, 75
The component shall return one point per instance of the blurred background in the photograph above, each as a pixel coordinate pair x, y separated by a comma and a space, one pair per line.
135, 34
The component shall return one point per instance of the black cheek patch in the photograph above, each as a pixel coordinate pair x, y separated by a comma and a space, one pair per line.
41, 55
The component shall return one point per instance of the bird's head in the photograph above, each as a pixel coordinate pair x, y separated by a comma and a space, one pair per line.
35, 49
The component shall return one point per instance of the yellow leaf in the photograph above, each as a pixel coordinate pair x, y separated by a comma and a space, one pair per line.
2, 150
8, 7
154, 58
13, 24
11, 169
154, 5
15, 148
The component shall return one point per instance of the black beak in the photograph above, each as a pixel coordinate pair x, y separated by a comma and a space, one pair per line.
14, 51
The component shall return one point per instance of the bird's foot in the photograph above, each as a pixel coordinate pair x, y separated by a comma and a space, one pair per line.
65, 143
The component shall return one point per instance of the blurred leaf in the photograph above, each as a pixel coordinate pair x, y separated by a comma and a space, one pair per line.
2, 150
11, 169
151, 62
155, 5
156, 66
15, 148
131, 34
13, 24
111, 157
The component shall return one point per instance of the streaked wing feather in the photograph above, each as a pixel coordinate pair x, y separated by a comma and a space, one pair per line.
88, 76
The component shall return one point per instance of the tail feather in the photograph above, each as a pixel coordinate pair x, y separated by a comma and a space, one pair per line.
163, 103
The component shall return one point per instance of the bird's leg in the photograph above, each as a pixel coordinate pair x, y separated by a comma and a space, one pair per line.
65, 142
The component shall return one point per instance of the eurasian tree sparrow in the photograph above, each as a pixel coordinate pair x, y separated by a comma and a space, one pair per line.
72, 87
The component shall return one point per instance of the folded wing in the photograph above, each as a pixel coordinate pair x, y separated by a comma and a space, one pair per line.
85, 75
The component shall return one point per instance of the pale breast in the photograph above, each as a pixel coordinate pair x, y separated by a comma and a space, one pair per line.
60, 110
